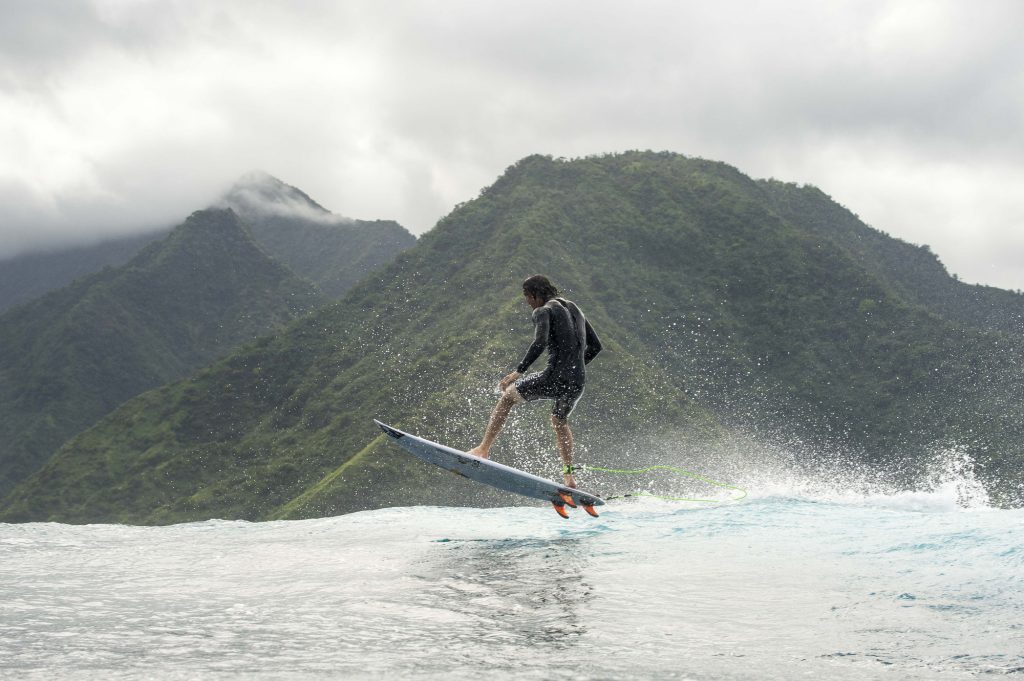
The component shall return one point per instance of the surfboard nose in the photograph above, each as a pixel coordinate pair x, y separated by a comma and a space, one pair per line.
388, 430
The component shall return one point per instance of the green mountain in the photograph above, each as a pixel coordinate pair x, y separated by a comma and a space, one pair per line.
29, 276
914, 272
726, 305
320, 247
331, 251
75, 354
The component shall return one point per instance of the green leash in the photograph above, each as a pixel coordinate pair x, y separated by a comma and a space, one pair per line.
566, 470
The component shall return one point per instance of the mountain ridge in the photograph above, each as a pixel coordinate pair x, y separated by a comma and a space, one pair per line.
720, 316
78, 352
332, 251
281, 222
329, 250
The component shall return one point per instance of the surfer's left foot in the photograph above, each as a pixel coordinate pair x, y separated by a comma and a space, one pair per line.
478, 451
570, 481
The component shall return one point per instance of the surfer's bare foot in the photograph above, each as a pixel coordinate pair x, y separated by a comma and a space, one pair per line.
478, 451
570, 481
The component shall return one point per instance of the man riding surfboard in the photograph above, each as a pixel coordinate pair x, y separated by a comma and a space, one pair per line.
561, 329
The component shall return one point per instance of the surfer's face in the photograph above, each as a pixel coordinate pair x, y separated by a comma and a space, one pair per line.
533, 301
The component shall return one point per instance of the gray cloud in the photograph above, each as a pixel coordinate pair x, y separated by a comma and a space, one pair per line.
119, 116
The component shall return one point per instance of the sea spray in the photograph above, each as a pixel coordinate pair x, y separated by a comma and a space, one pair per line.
779, 586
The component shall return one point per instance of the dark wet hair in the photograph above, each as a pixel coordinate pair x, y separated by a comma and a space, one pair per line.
541, 287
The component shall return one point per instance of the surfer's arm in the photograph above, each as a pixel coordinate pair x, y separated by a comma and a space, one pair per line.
541, 327
593, 344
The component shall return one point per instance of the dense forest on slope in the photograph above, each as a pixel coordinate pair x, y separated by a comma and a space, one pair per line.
29, 276
75, 354
726, 305
913, 272
331, 251
44, 404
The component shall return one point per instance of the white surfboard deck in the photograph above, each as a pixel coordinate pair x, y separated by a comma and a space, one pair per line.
486, 471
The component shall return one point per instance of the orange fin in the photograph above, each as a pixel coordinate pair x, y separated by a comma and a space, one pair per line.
567, 498
560, 510
589, 509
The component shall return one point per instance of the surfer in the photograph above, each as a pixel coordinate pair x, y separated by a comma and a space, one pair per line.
560, 327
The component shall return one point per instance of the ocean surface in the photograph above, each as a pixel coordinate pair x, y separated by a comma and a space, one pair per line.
917, 585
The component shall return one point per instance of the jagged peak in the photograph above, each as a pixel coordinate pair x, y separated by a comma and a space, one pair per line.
260, 194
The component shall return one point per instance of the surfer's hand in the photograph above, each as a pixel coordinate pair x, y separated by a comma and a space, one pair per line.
508, 380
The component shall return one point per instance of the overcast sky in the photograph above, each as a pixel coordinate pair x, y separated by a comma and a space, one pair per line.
119, 115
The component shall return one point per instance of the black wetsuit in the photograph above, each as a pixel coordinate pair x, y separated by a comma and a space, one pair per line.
571, 343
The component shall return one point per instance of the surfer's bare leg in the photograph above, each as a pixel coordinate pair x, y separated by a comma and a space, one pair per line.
509, 399
563, 437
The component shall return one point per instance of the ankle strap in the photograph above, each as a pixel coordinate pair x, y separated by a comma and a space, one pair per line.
568, 470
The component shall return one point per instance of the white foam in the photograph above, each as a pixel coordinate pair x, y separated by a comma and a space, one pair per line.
949, 484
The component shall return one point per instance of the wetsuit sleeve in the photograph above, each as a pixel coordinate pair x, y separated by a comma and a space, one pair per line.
593, 344
541, 327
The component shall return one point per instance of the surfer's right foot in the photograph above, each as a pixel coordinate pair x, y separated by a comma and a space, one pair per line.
478, 451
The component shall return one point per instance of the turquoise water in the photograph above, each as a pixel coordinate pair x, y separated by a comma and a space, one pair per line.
905, 586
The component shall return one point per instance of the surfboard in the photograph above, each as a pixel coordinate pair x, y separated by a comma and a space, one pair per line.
493, 473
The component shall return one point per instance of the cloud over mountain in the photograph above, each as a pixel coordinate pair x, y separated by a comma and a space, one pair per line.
116, 115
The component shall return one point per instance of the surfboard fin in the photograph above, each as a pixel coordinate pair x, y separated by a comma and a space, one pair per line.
567, 498
560, 509
589, 509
